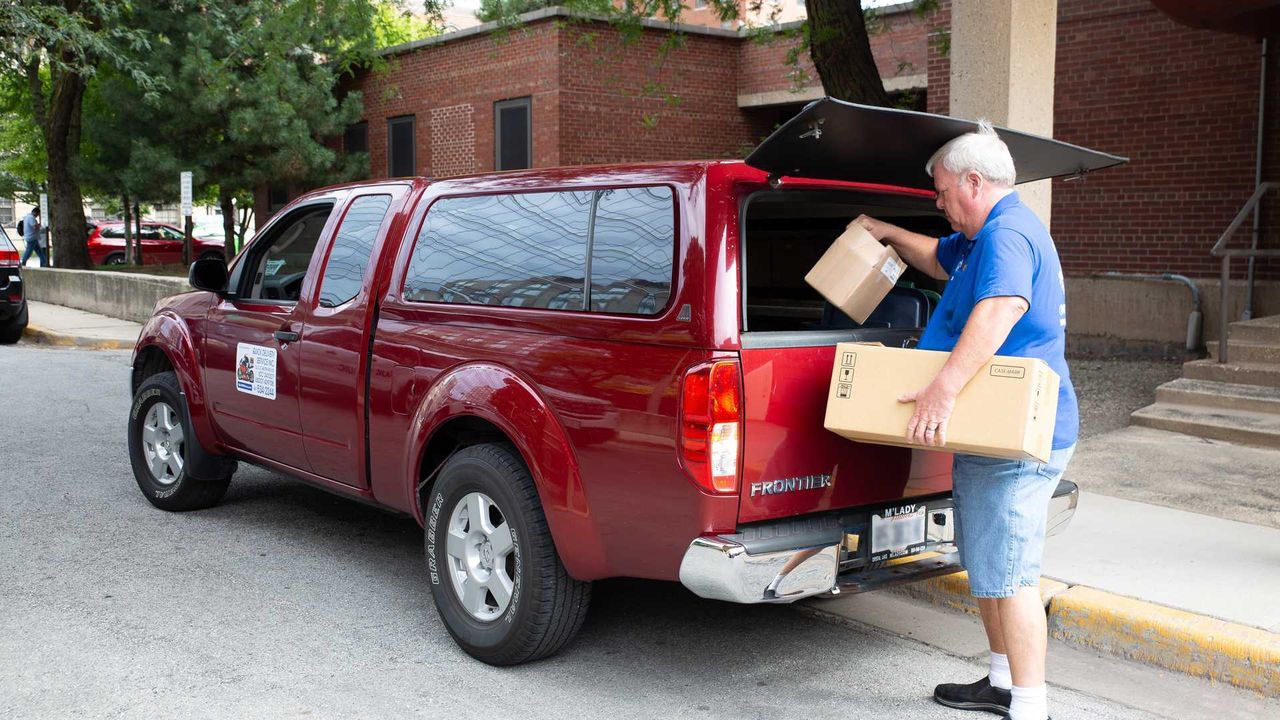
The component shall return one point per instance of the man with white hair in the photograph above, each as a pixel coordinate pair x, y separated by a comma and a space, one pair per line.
1004, 296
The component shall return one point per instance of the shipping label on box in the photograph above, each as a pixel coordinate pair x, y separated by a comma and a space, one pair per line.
1007, 410
856, 272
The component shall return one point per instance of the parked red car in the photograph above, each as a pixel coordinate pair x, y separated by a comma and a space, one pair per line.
161, 243
572, 374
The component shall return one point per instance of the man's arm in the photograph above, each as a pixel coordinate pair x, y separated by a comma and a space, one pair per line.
984, 332
920, 251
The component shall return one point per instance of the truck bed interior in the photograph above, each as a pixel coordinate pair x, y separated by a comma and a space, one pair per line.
786, 232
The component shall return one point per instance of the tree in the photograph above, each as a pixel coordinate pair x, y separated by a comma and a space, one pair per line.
57, 46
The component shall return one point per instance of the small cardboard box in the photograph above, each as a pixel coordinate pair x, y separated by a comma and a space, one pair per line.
856, 272
1007, 410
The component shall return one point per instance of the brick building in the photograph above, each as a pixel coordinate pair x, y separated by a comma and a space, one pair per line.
1181, 103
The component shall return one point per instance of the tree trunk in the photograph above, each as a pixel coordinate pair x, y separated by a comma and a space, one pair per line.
841, 52
130, 252
228, 223
62, 144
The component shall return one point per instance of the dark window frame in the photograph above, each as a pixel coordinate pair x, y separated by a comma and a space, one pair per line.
362, 128
527, 103
586, 289
392, 122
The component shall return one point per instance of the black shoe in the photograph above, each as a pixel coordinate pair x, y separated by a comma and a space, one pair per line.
974, 696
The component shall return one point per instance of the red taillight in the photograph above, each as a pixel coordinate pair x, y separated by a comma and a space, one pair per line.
9, 258
711, 426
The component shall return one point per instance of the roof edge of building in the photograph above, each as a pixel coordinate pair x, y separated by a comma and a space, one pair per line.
650, 23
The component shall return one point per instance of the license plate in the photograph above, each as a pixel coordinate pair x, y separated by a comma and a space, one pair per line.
897, 531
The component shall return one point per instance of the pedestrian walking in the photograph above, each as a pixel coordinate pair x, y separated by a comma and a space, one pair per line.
34, 235
1005, 295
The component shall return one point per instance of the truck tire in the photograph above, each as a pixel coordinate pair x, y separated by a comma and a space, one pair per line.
114, 259
160, 443
11, 331
498, 584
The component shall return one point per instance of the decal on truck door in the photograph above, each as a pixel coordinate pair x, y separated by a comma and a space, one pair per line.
256, 370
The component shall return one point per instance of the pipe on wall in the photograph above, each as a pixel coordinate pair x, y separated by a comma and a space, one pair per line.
1195, 319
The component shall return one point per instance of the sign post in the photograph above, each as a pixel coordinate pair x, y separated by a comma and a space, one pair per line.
185, 179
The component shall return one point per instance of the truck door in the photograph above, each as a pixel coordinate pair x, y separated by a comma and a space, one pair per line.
251, 342
335, 336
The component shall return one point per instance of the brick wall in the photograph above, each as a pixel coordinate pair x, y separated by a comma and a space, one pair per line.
1181, 104
623, 102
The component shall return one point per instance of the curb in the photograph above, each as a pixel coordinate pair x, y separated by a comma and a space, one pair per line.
44, 336
1152, 634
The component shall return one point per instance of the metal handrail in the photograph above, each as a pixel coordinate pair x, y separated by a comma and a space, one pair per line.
1219, 250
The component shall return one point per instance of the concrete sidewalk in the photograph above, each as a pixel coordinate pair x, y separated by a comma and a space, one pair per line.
58, 325
1144, 572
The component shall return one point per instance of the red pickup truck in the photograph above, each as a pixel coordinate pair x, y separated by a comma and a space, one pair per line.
573, 374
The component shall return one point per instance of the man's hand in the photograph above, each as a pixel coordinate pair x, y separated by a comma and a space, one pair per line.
877, 228
934, 404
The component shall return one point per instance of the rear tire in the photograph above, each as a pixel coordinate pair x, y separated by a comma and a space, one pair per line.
498, 584
11, 331
159, 435
114, 259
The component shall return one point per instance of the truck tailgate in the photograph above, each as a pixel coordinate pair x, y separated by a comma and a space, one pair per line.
792, 465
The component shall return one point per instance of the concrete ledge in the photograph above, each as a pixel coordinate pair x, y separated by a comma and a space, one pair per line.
1136, 630
128, 296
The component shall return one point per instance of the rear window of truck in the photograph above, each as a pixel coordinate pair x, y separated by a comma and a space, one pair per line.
607, 251
784, 234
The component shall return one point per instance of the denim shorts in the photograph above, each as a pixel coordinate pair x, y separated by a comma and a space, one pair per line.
1001, 508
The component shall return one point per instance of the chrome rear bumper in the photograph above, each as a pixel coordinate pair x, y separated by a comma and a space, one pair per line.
827, 554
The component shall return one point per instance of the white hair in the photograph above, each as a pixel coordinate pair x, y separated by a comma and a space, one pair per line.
981, 151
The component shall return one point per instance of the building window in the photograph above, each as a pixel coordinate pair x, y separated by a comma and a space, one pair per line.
400, 147
513, 134
699, 4
277, 198
6, 211
356, 138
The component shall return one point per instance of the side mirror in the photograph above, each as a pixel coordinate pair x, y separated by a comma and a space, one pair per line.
208, 274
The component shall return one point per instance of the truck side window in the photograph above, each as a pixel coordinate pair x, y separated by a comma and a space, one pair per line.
525, 250
352, 248
280, 266
633, 250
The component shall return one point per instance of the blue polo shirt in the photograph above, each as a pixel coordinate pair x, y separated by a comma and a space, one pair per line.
1011, 255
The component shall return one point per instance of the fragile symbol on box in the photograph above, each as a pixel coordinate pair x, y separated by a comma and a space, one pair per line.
843, 390
846, 374
848, 358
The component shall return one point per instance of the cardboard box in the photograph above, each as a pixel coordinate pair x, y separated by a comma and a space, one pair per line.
856, 272
1007, 410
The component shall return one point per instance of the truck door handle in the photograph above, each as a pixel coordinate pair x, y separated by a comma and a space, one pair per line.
286, 336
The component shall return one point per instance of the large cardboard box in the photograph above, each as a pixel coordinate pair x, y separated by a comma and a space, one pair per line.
1007, 410
856, 272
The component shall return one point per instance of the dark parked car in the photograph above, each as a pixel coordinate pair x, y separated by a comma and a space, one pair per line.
13, 301
161, 243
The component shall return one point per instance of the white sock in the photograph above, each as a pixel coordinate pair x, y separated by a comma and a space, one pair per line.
1000, 675
1029, 703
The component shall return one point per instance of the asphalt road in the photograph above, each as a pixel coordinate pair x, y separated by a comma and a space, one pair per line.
285, 601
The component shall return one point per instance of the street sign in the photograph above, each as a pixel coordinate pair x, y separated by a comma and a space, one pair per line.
44, 209
186, 194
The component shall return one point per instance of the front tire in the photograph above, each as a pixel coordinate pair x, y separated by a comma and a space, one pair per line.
114, 259
160, 443
498, 584
11, 331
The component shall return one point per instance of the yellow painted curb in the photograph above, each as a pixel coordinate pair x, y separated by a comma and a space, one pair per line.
37, 334
1206, 647
953, 591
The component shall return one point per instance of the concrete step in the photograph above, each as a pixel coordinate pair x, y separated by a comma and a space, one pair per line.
1220, 395
1240, 373
1250, 352
1235, 426
1262, 330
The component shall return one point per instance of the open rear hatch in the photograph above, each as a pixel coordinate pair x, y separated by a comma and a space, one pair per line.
792, 465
